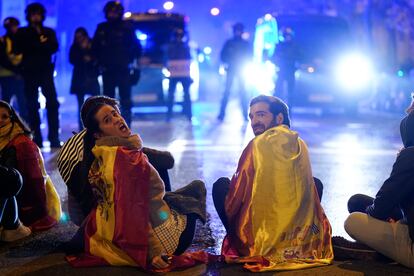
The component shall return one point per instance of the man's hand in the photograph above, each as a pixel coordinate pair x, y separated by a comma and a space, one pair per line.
159, 262
43, 38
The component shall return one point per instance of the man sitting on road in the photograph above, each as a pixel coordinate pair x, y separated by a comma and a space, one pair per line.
271, 208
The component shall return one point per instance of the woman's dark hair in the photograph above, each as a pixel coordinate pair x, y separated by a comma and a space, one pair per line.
276, 106
89, 109
81, 30
15, 118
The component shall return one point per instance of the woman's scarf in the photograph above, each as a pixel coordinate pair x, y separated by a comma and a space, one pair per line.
8, 133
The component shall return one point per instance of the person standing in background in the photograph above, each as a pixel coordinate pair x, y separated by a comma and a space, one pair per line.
11, 81
178, 63
235, 53
85, 73
38, 44
116, 48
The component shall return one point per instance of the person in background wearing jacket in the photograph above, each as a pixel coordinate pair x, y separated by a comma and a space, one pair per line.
11, 81
386, 223
38, 44
235, 54
38, 201
85, 73
116, 48
178, 61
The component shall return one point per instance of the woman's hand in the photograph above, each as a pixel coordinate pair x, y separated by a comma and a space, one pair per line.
159, 263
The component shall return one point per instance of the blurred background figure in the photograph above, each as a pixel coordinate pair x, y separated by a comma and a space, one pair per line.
235, 53
286, 55
178, 61
116, 49
38, 44
85, 73
11, 81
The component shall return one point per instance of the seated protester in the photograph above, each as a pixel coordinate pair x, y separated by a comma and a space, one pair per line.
11, 229
70, 160
271, 208
38, 201
386, 223
131, 223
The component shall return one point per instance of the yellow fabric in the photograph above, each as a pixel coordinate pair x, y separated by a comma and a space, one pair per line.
287, 225
101, 242
54, 208
8, 132
14, 59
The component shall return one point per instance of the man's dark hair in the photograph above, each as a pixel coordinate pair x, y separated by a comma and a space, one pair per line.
276, 106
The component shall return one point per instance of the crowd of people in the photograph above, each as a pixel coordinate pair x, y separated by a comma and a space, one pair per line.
119, 192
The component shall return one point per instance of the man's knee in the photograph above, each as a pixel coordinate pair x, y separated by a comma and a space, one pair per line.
220, 184
358, 203
354, 222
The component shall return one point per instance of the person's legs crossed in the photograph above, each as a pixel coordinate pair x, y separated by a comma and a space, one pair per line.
390, 239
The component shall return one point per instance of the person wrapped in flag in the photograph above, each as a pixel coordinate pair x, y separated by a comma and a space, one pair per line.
271, 208
131, 223
38, 201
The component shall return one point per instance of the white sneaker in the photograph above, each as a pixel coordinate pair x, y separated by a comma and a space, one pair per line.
16, 234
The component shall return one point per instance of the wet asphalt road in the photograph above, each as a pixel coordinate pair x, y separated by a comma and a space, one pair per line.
349, 155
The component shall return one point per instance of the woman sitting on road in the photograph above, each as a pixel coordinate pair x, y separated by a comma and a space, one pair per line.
131, 224
38, 202
386, 222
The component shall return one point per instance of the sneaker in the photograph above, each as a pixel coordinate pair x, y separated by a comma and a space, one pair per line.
345, 250
16, 234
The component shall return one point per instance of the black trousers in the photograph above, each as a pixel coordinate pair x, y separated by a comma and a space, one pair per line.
119, 77
221, 188
232, 75
187, 109
8, 205
32, 82
360, 202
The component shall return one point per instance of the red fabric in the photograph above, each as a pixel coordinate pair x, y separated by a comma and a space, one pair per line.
32, 197
131, 205
131, 229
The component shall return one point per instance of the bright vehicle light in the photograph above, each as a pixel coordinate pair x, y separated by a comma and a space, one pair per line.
259, 76
214, 11
127, 14
166, 73
311, 69
354, 72
207, 50
169, 5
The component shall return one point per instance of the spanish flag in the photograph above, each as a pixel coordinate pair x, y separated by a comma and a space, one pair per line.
274, 213
116, 231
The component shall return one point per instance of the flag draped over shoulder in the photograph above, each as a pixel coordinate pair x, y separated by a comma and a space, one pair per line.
274, 213
116, 231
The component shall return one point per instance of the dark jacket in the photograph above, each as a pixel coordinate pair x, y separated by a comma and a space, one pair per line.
85, 73
398, 189
37, 48
115, 45
236, 52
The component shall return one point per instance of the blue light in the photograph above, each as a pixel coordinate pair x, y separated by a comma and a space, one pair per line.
400, 73
207, 50
140, 35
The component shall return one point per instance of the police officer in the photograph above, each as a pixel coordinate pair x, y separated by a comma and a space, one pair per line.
178, 61
116, 47
38, 44
11, 81
286, 55
235, 53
